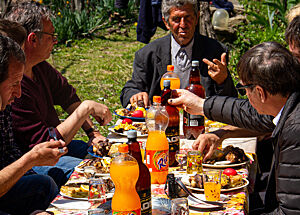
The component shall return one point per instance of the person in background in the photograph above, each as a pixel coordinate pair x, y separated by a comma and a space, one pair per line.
22, 191
270, 75
294, 11
42, 88
179, 48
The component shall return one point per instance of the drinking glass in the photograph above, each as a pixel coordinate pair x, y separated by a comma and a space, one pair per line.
212, 185
194, 162
96, 191
179, 206
181, 159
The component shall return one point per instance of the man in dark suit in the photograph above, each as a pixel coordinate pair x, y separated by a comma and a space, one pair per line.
179, 48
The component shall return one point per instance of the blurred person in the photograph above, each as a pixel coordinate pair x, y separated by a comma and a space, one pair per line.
270, 76
292, 36
179, 48
293, 12
22, 191
42, 88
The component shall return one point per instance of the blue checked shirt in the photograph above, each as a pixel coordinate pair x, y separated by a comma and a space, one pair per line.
9, 151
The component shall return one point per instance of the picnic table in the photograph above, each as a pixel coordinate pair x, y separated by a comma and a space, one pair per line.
236, 202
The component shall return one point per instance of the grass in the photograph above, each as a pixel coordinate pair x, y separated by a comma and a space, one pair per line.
98, 68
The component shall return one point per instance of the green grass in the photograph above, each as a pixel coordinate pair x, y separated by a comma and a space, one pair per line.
98, 68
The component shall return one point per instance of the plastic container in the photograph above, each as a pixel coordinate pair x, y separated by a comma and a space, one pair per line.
220, 18
157, 147
124, 172
172, 76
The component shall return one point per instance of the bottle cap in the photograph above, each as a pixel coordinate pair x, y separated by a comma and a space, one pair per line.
167, 83
157, 99
195, 63
131, 134
123, 148
170, 68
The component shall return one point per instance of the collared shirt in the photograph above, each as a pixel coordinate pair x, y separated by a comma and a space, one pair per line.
183, 74
276, 119
9, 151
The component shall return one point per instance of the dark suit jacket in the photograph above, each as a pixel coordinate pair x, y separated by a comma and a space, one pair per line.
151, 62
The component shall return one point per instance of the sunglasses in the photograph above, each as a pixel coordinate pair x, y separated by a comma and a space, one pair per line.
242, 88
54, 35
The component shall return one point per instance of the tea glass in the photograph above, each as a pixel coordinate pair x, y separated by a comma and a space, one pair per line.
179, 206
96, 191
212, 185
194, 162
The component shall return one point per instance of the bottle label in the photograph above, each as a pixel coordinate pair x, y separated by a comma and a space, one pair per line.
145, 196
193, 120
157, 161
134, 212
172, 134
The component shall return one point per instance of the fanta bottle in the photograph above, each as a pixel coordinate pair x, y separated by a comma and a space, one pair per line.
124, 172
157, 147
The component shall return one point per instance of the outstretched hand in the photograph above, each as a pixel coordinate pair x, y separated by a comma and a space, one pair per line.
101, 113
217, 70
190, 102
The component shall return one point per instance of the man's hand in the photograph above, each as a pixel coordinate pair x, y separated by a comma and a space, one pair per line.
190, 102
140, 96
207, 144
217, 70
48, 153
101, 113
95, 137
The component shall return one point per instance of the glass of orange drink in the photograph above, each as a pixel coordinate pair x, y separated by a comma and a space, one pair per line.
212, 185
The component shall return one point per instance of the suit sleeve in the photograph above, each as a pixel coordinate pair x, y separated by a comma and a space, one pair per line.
237, 112
138, 82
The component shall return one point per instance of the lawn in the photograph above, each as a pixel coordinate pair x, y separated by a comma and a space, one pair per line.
98, 68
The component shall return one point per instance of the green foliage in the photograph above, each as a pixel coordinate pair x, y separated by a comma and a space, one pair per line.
71, 24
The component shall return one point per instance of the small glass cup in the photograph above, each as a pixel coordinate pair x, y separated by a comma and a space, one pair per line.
89, 171
96, 191
179, 206
212, 185
194, 162
181, 158
96, 211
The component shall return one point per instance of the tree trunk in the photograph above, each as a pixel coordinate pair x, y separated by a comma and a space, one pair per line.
205, 26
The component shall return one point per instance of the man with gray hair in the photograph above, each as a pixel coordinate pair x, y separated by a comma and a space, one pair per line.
42, 88
179, 48
22, 191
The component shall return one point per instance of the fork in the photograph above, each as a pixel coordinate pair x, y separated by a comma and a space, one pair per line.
52, 134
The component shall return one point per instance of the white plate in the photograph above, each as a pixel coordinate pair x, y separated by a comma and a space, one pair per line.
139, 134
80, 170
185, 180
221, 166
108, 196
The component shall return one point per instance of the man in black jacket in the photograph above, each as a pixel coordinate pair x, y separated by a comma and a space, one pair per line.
270, 75
179, 48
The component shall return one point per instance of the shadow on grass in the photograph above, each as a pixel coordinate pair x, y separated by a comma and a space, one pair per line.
64, 70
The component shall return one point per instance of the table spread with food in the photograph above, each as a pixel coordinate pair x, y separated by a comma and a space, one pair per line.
234, 162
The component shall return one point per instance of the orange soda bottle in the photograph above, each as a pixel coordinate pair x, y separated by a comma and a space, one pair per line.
124, 172
157, 147
172, 76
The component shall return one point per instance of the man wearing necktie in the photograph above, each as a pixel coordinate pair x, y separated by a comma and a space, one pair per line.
179, 48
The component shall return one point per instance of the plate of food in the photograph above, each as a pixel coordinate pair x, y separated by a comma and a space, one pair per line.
100, 167
228, 157
80, 191
228, 183
136, 112
113, 150
124, 126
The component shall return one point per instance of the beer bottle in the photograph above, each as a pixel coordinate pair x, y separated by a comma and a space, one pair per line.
193, 125
172, 131
143, 185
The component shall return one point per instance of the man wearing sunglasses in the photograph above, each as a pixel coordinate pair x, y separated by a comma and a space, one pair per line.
274, 74
42, 88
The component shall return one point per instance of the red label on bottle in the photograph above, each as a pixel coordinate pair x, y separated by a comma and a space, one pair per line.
134, 212
157, 161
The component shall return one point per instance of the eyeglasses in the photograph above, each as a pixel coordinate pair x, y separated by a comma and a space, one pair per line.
242, 88
54, 35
